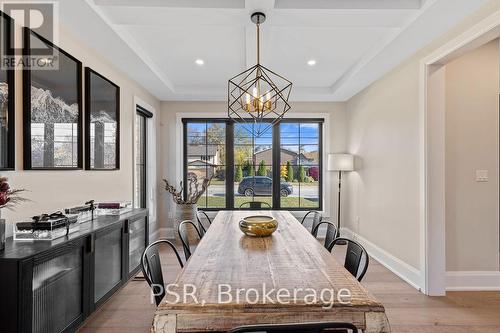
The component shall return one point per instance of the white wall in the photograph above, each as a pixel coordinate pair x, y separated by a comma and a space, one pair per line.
382, 201
170, 137
472, 91
385, 129
50, 191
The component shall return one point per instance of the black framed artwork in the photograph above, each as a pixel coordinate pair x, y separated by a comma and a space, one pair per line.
102, 122
52, 109
7, 111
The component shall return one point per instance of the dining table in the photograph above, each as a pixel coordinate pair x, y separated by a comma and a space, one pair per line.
233, 279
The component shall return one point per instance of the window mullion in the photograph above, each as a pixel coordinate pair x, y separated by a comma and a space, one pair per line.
276, 166
185, 158
230, 164
320, 168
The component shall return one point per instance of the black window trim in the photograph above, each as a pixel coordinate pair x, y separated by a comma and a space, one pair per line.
229, 163
141, 112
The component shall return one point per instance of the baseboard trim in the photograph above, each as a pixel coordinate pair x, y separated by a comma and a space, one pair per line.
473, 281
408, 273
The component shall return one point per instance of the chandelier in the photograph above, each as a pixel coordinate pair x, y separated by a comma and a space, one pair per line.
258, 97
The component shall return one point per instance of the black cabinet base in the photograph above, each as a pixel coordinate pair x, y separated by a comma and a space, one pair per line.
54, 286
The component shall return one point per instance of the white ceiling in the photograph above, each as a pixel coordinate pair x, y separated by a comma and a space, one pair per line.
354, 42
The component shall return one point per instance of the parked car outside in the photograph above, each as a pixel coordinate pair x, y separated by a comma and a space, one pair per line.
261, 185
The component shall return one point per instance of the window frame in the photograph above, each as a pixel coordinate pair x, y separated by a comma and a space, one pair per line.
143, 113
229, 163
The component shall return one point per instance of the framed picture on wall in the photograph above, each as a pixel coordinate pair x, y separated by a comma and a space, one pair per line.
7, 95
102, 122
52, 94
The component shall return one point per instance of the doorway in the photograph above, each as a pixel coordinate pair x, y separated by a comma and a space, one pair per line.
464, 271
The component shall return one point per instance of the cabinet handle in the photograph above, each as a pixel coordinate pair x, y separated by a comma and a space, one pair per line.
126, 227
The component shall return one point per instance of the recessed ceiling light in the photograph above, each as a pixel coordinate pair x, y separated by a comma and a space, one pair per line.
199, 62
311, 62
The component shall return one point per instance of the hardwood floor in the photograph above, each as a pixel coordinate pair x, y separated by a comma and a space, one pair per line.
409, 311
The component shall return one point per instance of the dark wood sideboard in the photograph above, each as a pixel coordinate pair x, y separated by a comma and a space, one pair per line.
52, 286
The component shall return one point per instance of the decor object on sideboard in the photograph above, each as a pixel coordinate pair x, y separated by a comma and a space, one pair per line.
7, 111
187, 200
113, 208
84, 212
258, 97
340, 163
9, 198
102, 122
46, 227
52, 107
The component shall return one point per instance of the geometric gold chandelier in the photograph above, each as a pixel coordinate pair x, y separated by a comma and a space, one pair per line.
258, 97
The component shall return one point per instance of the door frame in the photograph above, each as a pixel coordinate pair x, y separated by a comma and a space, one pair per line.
432, 154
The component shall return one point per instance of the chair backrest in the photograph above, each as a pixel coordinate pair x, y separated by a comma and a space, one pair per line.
204, 222
256, 204
151, 268
297, 328
356, 258
316, 219
331, 232
184, 236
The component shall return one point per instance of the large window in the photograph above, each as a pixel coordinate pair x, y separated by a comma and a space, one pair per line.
253, 166
281, 168
206, 157
300, 163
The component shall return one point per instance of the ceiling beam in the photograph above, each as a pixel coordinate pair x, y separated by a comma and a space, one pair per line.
378, 48
174, 3
278, 4
348, 4
125, 36
265, 6
412, 38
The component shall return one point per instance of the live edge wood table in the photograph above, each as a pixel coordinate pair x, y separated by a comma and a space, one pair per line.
290, 260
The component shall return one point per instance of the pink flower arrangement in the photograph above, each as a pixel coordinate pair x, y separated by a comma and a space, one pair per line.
9, 197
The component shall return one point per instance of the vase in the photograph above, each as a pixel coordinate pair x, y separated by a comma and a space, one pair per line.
2, 234
185, 212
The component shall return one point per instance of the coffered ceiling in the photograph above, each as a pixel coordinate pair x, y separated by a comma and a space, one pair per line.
353, 42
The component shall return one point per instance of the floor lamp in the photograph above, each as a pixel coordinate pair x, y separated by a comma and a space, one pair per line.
340, 163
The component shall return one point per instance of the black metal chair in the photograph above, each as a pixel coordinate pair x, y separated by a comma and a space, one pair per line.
297, 328
331, 232
151, 268
316, 219
255, 204
200, 217
356, 258
184, 236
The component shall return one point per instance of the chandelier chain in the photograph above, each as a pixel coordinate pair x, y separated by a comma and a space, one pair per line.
258, 43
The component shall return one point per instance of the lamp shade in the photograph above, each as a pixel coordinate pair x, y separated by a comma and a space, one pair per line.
340, 162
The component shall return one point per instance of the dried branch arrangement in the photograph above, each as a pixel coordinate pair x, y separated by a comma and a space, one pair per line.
9, 198
195, 190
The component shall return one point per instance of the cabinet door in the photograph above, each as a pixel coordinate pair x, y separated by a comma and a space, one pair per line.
108, 247
137, 242
58, 286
